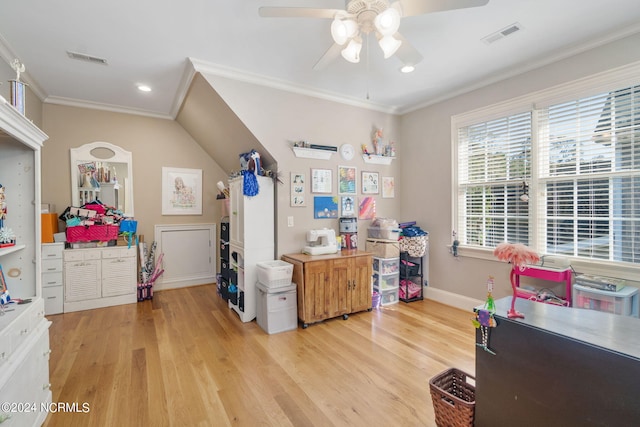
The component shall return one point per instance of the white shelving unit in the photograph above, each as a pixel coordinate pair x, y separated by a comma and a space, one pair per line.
24, 331
312, 153
251, 240
376, 159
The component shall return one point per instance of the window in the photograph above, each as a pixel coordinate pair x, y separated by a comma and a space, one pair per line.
562, 177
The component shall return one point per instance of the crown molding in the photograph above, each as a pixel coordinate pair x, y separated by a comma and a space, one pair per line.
70, 102
204, 67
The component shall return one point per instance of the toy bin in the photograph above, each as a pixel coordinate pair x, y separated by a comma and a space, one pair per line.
623, 302
274, 274
453, 394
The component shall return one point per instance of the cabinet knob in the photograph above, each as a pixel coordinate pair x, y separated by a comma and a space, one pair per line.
46, 353
46, 386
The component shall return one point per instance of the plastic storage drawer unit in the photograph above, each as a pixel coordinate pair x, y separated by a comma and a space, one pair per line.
277, 309
624, 301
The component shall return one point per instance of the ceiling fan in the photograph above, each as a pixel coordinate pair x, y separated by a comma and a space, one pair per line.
363, 17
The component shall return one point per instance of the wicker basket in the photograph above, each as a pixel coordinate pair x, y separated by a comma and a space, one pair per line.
453, 398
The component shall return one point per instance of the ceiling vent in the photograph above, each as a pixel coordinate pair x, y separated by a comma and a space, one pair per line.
507, 31
87, 58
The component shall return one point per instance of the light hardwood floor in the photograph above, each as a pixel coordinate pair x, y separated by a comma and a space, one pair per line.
185, 359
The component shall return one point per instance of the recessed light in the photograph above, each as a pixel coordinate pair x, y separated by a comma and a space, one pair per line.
407, 69
144, 88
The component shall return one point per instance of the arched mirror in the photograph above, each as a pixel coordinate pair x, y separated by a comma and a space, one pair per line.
102, 171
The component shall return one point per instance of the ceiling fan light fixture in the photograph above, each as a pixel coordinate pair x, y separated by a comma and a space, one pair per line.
388, 22
343, 29
389, 45
352, 52
408, 68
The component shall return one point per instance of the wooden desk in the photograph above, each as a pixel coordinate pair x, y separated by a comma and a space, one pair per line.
559, 366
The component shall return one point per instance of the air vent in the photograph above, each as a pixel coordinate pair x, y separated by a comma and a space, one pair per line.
87, 58
491, 38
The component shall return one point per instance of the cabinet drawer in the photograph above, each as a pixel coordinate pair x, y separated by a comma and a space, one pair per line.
51, 265
52, 279
81, 255
52, 250
53, 299
116, 252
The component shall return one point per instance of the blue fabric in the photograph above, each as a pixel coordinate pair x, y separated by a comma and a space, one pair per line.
250, 187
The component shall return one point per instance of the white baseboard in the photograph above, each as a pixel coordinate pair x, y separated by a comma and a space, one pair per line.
449, 298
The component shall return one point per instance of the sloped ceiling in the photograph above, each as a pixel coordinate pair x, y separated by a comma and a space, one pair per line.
212, 123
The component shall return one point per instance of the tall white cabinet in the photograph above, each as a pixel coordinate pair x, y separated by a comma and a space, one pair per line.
24, 331
251, 240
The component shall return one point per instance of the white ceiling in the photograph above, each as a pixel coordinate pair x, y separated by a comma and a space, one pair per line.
150, 42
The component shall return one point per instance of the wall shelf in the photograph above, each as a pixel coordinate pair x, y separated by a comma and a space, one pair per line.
311, 153
376, 159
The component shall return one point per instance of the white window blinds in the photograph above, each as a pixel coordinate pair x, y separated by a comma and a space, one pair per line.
494, 168
589, 177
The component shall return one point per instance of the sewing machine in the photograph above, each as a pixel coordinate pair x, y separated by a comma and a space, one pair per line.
321, 242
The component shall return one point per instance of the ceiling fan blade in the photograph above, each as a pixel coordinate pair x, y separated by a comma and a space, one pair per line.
420, 7
297, 12
329, 56
408, 54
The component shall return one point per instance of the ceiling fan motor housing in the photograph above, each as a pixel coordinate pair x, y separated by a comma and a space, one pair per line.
366, 11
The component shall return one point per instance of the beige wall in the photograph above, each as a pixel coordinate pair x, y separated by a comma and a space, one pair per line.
426, 176
154, 143
279, 118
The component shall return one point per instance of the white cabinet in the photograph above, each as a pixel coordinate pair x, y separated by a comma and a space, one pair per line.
99, 277
52, 277
24, 331
251, 236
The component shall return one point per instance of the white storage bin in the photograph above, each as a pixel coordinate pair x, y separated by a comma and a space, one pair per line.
388, 297
382, 283
624, 301
274, 273
277, 309
383, 233
386, 266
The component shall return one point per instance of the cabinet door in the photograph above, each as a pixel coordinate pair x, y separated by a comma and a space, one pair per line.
118, 276
360, 285
82, 280
338, 287
236, 217
317, 292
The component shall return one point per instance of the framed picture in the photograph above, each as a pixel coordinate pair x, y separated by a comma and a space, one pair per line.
370, 183
325, 207
297, 189
348, 205
321, 181
388, 187
367, 208
347, 180
181, 191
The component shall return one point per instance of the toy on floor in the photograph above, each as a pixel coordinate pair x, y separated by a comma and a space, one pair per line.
519, 255
484, 318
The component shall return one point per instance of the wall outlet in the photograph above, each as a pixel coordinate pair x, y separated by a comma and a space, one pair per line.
289, 221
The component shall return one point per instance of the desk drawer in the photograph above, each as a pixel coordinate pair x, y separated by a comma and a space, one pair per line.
51, 265
52, 279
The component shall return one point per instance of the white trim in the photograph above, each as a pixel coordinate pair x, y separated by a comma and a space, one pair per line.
207, 68
453, 300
